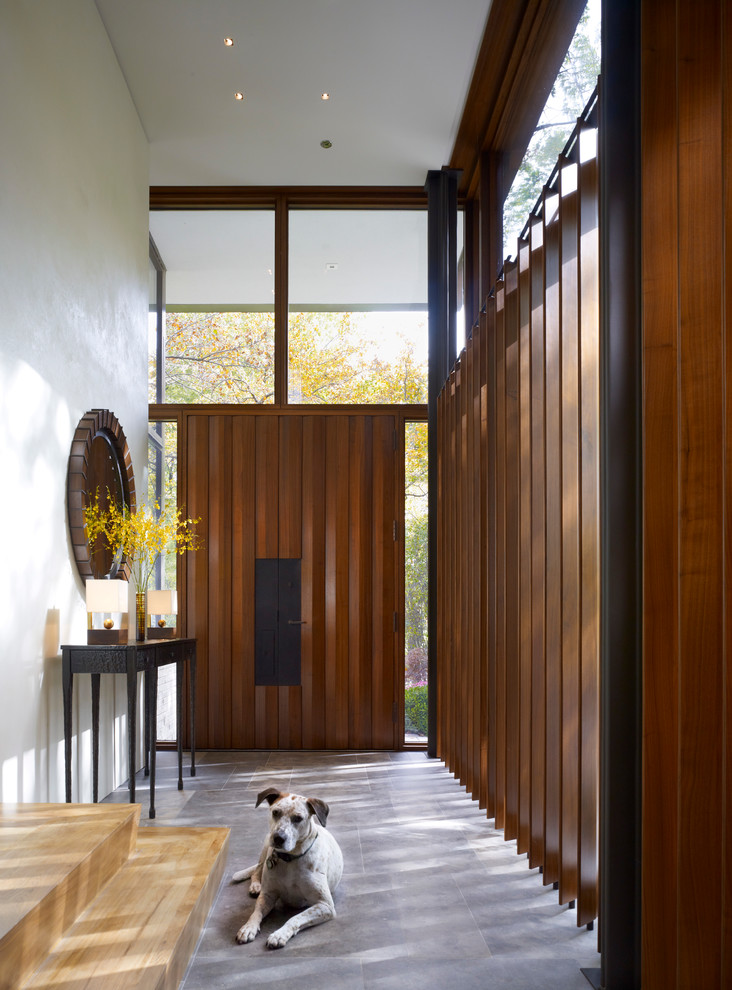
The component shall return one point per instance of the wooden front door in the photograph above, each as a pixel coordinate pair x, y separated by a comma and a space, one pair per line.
319, 489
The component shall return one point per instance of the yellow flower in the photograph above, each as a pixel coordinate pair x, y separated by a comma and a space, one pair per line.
140, 536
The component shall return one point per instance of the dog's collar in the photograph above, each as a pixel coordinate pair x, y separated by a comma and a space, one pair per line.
287, 857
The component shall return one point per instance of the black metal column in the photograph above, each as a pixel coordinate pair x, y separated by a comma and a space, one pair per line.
441, 187
621, 498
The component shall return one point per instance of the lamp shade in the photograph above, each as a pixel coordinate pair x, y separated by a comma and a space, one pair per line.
162, 601
106, 596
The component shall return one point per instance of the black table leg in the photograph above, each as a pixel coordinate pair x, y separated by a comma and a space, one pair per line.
95, 736
67, 679
152, 673
179, 718
193, 711
131, 718
147, 724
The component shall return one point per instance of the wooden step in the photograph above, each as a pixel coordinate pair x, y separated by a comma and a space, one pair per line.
54, 860
141, 929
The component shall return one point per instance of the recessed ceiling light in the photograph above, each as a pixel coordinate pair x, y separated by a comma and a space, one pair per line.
229, 42
326, 144
325, 96
238, 96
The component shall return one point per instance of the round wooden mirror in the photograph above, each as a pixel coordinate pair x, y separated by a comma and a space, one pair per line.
99, 463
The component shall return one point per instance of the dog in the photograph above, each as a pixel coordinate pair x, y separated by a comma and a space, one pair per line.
301, 865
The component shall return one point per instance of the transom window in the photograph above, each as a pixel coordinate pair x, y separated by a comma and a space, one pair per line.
347, 325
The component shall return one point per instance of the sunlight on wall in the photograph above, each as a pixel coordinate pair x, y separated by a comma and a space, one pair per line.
10, 780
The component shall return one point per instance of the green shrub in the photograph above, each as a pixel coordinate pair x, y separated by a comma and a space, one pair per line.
415, 710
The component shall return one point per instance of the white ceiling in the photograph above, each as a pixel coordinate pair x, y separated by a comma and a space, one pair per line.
397, 72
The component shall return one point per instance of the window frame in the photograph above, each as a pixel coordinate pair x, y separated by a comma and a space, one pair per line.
282, 202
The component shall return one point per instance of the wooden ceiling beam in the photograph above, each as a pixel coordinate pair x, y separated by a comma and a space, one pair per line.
523, 47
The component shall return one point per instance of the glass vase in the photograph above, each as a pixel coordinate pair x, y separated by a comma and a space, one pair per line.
140, 616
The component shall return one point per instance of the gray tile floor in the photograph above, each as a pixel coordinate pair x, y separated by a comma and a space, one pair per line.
431, 893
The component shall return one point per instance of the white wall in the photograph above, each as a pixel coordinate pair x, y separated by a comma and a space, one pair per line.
73, 336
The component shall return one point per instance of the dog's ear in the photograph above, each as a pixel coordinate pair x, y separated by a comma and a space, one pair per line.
318, 808
270, 796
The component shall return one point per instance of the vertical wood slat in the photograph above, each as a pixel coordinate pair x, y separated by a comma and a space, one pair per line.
590, 536
360, 585
686, 86
553, 550
313, 583
384, 584
513, 551
267, 475
242, 581
290, 509
525, 604
701, 510
488, 512
501, 539
727, 344
518, 434
571, 579
660, 505
197, 564
537, 237
219, 547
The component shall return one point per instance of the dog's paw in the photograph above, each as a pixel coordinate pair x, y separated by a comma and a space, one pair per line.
279, 938
247, 933
255, 888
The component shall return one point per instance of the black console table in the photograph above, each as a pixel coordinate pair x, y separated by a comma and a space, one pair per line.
130, 659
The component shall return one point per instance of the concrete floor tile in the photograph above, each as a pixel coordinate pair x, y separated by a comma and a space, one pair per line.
432, 895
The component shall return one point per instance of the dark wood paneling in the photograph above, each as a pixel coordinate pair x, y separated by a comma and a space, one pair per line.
571, 577
513, 552
538, 545
195, 440
218, 548
519, 498
525, 393
553, 550
384, 585
337, 589
701, 485
242, 581
323, 490
590, 539
314, 656
501, 552
686, 882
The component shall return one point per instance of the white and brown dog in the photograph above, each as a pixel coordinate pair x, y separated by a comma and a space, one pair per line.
301, 865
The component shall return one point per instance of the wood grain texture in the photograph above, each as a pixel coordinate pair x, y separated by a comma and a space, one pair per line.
243, 536
92, 901
538, 480
553, 550
513, 554
587, 906
55, 859
519, 495
701, 486
219, 550
686, 90
525, 601
571, 577
660, 504
322, 489
501, 551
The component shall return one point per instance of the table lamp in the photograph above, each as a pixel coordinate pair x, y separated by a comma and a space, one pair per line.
110, 598
163, 603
